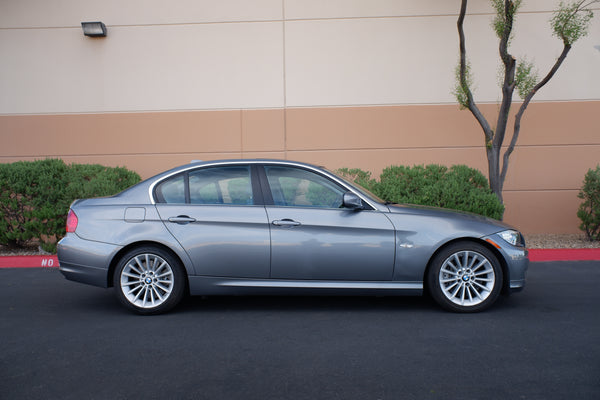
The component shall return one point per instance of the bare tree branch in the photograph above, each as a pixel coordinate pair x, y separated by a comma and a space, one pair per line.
463, 75
508, 86
526, 101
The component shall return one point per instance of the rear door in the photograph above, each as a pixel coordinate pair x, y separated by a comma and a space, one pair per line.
216, 216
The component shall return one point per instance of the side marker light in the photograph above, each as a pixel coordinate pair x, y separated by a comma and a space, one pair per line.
490, 241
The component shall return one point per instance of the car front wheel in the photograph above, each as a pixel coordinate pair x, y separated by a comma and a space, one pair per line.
465, 277
149, 280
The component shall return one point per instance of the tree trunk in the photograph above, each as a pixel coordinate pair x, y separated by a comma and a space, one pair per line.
496, 184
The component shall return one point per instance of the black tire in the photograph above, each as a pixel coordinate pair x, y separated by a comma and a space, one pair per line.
465, 277
149, 280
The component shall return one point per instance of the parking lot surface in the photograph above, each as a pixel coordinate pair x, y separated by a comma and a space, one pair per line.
61, 339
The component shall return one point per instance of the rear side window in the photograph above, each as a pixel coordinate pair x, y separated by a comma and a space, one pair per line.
218, 185
223, 185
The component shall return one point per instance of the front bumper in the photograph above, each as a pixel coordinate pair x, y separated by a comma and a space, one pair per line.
516, 261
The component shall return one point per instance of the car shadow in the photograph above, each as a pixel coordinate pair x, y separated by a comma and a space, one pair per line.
204, 304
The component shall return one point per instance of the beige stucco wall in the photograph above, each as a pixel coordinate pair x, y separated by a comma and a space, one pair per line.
338, 83
235, 54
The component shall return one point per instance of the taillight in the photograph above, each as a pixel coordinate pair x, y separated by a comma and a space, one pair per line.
72, 221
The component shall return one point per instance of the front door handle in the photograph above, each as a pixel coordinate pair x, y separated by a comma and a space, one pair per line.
182, 219
286, 223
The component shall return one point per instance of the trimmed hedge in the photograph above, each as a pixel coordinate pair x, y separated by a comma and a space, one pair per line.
458, 187
35, 197
589, 210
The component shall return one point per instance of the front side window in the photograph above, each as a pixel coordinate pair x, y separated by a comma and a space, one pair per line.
295, 187
217, 185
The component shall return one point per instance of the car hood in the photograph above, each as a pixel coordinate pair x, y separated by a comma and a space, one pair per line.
482, 224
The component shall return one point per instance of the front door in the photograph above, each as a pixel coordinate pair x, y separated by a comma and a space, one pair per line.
314, 238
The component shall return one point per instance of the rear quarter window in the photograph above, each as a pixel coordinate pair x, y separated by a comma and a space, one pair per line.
171, 191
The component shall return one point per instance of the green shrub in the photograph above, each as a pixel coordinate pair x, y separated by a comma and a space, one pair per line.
94, 180
458, 187
589, 210
35, 197
357, 175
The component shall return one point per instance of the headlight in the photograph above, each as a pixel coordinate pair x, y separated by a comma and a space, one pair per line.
512, 237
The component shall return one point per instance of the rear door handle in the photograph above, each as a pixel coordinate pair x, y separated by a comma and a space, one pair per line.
182, 219
285, 222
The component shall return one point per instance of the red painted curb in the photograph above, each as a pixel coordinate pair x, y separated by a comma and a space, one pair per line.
536, 255
28, 262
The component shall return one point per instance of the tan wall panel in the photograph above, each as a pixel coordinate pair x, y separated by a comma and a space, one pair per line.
146, 165
263, 130
543, 211
137, 133
279, 155
380, 127
376, 160
576, 122
436, 126
551, 167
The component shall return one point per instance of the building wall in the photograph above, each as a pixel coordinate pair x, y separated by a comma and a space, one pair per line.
339, 83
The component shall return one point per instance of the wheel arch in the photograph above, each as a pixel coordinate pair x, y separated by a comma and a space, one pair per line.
487, 245
117, 257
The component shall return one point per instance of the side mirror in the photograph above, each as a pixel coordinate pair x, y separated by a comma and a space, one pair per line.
352, 201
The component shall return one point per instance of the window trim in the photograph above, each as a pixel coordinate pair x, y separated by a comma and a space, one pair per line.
373, 204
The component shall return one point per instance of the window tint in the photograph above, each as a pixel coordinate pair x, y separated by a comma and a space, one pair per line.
221, 185
294, 187
171, 190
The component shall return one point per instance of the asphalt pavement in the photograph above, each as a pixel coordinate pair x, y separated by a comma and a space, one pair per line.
64, 340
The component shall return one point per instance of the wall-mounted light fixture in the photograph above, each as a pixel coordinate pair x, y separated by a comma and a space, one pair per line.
94, 29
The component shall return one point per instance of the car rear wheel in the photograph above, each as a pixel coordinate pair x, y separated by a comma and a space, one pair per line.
465, 277
149, 280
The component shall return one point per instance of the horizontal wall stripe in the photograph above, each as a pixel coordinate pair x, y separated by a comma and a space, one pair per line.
541, 193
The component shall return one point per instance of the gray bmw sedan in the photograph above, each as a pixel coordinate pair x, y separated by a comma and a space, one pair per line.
244, 227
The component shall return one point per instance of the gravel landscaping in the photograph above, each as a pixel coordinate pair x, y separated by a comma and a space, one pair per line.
534, 241
560, 241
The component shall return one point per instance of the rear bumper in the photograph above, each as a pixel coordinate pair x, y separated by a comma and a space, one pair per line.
85, 261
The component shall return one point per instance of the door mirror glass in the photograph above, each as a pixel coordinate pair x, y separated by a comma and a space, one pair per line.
352, 201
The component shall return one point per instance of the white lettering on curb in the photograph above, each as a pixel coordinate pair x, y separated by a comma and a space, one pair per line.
47, 262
